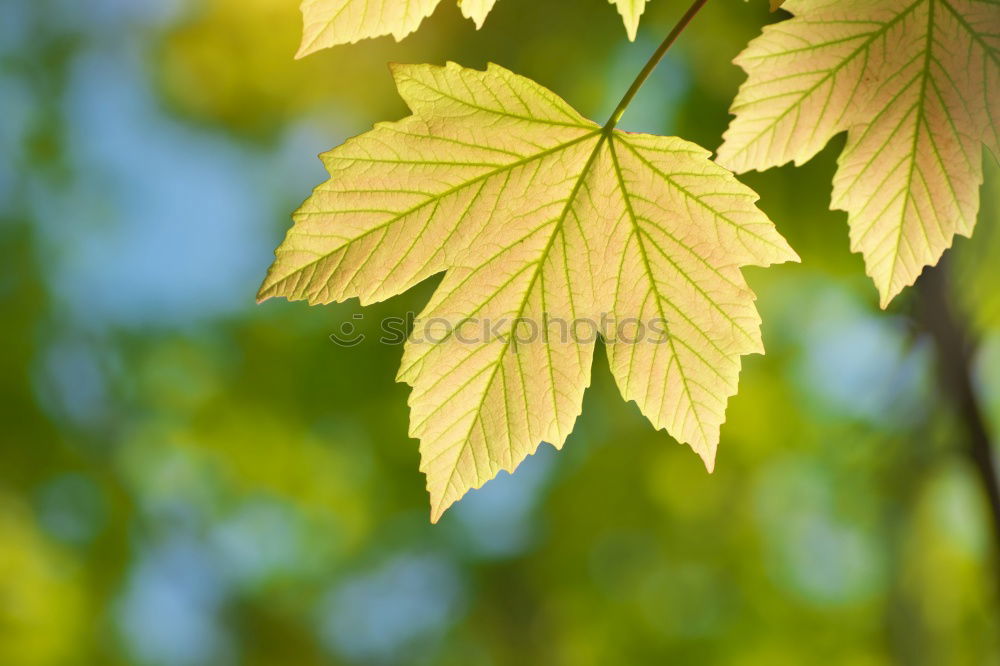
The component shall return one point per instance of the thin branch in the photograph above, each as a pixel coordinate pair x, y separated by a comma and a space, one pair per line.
953, 345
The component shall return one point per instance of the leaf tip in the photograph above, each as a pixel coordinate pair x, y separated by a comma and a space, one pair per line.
438, 508
264, 293
724, 157
708, 457
885, 298
303, 50
396, 69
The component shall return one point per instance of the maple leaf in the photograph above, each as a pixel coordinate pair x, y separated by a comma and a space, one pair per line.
916, 85
331, 22
536, 215
630, 11
328, 23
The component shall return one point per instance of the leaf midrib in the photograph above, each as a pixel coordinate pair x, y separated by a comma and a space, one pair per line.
539, 267
920, 119
636, 231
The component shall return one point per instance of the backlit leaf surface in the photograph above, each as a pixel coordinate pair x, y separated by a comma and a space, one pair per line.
535, 215
630, 10
331, 22
916, 86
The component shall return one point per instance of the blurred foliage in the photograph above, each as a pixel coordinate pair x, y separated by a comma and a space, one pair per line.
188, 478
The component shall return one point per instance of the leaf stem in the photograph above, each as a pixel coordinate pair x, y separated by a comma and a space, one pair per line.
651, 64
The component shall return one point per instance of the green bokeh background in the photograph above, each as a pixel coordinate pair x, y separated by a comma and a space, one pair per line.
188, 478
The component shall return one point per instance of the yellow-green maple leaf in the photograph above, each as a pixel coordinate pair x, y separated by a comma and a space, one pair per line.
535, 215
332, 22
630, 11
916, 85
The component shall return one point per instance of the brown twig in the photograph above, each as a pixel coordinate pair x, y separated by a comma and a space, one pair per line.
953, 345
